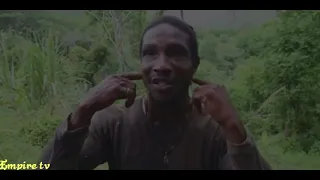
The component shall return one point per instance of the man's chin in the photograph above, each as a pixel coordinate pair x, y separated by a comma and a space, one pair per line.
165, 95
162, 97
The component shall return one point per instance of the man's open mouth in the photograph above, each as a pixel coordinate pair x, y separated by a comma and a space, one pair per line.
161, 83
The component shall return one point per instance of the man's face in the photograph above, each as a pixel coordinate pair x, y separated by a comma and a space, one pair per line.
166, 62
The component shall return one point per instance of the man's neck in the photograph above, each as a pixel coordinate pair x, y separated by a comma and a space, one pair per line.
176, 108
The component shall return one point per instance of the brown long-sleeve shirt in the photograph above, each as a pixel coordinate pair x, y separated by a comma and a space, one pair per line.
122, 138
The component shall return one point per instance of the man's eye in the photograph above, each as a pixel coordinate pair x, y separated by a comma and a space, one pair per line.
149, 53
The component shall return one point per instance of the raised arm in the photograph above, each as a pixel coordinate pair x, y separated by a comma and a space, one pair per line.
236, 149
244, 156
83, 140
83, 148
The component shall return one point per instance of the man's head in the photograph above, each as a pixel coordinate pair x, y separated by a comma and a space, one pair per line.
169, 56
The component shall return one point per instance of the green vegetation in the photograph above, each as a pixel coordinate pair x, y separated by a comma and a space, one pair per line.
48, 63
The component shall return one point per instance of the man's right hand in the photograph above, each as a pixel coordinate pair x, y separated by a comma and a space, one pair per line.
113, 88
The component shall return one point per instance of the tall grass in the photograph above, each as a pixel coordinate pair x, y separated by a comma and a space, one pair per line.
39, 86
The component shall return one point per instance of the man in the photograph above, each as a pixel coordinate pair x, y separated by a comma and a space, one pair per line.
167, 129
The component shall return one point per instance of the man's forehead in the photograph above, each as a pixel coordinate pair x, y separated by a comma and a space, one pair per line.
164, 32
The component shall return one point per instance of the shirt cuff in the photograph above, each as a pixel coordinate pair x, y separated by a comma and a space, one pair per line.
246, 147
246, 141
67, 142
63, 130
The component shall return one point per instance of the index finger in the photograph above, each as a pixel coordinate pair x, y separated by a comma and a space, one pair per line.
199, 82
132, 76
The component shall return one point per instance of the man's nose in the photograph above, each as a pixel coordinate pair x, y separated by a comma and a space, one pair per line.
163, 67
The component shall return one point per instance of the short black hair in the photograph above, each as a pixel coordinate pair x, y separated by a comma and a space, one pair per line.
183, 26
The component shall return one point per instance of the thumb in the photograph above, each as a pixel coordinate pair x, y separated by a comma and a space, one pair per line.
131, 96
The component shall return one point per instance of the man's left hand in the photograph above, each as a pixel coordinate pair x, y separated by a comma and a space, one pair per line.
213, 99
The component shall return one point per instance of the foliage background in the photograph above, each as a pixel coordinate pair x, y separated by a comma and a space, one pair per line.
271, 71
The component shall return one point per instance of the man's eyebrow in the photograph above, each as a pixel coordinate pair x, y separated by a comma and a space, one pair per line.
178, 46
148, 46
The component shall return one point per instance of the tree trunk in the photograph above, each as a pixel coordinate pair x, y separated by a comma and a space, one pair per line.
118, 33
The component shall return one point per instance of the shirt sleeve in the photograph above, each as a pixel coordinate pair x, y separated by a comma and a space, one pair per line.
83, 149
244, 156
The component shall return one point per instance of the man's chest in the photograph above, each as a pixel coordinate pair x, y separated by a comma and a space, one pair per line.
136, 147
